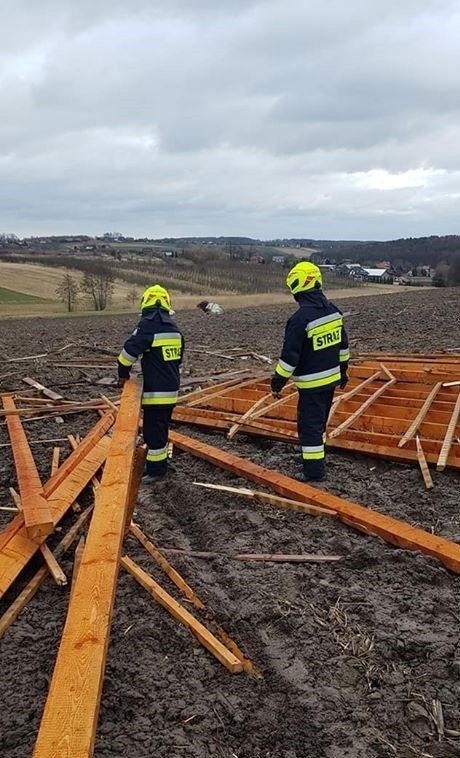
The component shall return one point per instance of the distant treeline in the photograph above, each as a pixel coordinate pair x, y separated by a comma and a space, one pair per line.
408, 252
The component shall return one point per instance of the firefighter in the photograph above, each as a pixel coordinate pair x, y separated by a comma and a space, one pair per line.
315, 355
158, 340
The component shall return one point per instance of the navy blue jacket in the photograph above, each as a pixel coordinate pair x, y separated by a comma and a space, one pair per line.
160, 342
315, 350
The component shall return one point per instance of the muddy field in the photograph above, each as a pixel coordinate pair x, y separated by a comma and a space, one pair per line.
353, 653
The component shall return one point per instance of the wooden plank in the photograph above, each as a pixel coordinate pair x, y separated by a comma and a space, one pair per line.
169, 570
390, 529
196, 601
44, 390
351, 393
449, 438
136, 476
283, 558
414, 427
77, 561
276, 500
53, 566
55, 460
339, 429
35, 510
217, 392
249, 413
87, 444
69, 721
37, 580
202, 634
19, 549
423, 464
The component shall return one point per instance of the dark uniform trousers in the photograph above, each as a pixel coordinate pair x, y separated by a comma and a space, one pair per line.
157, 419
312, 414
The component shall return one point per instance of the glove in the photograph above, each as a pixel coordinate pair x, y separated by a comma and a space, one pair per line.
277, 384
343, 381
121, 381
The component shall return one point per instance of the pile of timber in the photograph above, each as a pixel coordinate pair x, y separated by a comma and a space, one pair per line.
400, 407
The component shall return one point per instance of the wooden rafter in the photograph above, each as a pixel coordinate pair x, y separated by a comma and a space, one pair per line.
414, 427
359, 412
36, 512
365, 519
447, 444
69, 720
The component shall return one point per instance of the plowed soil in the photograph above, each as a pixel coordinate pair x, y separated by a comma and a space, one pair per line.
353, 653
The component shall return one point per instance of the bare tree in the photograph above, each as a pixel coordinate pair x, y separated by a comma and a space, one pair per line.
67, 291
97, 284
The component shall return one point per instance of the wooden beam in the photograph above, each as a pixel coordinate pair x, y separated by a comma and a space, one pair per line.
169, 570
69, 721
32, 587
136, 476
339, 429
36, 513
53, 566
55, 460
19, 548
414, 427
390, 529
205, 396
202, 634
276, 500
449, 438
77, 561
196, 601
423, 464
248, 415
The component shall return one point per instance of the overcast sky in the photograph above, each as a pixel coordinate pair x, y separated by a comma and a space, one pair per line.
278, 118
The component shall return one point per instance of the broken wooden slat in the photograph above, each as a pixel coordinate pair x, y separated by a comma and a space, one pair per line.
35, 583
414, 427
167, 568
351, 393
191, 595
55, 460
361, 409
390, 529
53, 566
44, 390
203, 635
423, 464
276, 500
19, 548
69, 720
37, 515
283, 558
248, 415
449, 438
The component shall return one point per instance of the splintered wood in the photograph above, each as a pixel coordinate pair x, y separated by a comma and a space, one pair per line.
388, 401
69, 721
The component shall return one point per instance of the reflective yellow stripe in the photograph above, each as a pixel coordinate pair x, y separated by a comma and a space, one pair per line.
282, 372
166, 341
344, 356
124, 361
159, 400
318, 382
329, 327
157, 456
313, 456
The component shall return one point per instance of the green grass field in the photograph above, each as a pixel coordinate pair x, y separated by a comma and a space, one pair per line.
11, 296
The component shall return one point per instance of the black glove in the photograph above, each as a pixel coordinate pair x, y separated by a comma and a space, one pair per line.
277, 384
121, 381
343, 381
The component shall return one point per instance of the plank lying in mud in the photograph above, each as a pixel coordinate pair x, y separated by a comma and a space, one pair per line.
69, 721
365, 519
36, 512
17, 552
162, 597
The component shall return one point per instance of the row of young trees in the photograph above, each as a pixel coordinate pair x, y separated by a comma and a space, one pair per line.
96, 286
